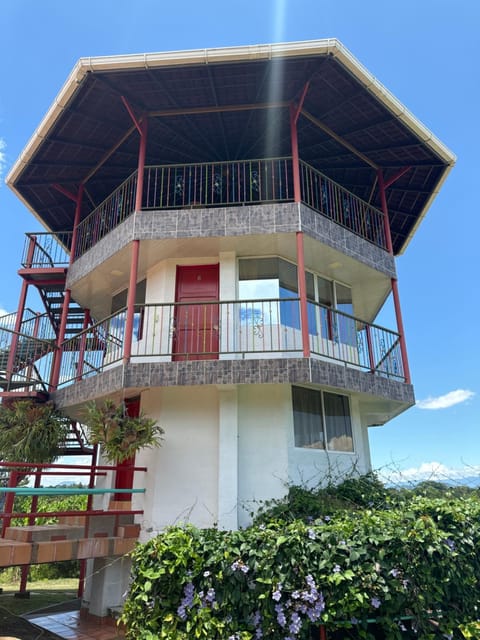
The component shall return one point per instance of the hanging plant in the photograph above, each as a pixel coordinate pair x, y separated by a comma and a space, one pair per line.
31, 432
119, 434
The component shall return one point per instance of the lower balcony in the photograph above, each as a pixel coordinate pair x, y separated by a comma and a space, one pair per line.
232, 331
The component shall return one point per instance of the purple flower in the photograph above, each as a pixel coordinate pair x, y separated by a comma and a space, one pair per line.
281, 619
239, 565
354, 620
450, 544
336, 568
277, 594
181, 612
257, 618
310, 581
395, 573
311, 534
210, 597
327, 518
375, 602
295, 624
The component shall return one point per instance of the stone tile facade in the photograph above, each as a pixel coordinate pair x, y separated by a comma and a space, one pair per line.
227, 222
138, 376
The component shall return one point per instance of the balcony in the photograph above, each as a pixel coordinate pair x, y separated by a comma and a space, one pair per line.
225, 184
232, 330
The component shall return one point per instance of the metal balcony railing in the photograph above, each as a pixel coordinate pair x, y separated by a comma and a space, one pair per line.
231, 330
46, 250
25, 361
109, 214
219, 184
333, 201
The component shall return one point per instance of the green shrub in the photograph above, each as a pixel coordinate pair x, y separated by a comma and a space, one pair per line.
413, 568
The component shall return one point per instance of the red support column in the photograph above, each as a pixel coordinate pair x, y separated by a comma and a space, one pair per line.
57, 358
294, 115
20, 309
125, 472
386, 221
295, 158
127, 343
371, 359
395, 294
132, 286
25, 569
9, 499
401, 331
76, 222
302, 291
302, 283
91, 485
141, 164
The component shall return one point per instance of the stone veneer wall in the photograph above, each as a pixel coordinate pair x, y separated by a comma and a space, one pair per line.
231, 222
225, 372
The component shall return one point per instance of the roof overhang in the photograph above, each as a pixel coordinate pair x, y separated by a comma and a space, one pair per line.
202, 94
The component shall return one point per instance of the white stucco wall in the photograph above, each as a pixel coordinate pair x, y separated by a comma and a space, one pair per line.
263, 417
181, 483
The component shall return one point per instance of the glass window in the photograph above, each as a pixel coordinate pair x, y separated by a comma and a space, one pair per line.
270, 279
276, 279
119, 301
338, 426
321, 420
307, 418
346, 329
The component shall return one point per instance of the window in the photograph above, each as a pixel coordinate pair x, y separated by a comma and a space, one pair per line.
270, 279
321, 420
276, 279
119, 302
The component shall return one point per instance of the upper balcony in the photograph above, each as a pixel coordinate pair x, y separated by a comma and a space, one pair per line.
227, 184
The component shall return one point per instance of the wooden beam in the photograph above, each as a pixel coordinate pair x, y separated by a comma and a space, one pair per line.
318, 123
217, 109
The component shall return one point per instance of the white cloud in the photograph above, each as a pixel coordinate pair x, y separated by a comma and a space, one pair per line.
448, 400
429, 471
3, 157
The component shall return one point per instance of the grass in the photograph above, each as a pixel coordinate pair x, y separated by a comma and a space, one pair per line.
43, 593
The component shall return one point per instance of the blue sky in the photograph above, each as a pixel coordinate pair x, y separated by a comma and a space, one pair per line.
427, 53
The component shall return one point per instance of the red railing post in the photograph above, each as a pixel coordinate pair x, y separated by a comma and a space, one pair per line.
9, 500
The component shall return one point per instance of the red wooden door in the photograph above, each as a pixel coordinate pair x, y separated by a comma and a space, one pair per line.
196, 318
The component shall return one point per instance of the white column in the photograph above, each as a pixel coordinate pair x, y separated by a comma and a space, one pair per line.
228, 313
227, 457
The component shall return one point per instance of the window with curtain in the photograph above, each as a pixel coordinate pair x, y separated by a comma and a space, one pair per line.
321, 420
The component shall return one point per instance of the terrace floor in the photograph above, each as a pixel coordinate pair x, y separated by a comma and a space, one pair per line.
69, 625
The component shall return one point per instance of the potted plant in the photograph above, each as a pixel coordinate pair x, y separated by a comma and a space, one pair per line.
119, 434
31, 432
